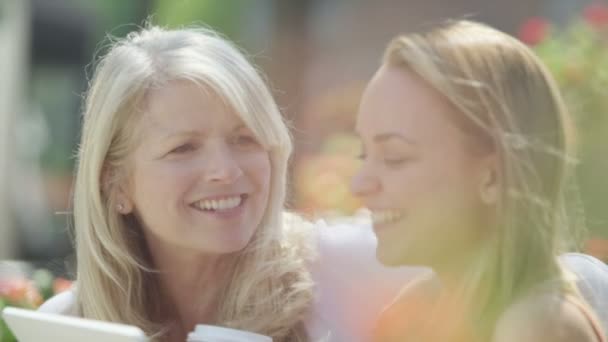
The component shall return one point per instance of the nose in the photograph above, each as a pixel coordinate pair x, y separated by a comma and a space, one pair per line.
364, 183
221, 166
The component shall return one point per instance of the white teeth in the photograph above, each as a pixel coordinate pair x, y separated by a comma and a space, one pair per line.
386, 216
221, 204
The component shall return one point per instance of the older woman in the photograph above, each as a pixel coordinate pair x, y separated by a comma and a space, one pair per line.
178, 205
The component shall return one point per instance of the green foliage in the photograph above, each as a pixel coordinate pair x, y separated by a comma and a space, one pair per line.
578, 58
223, 16
5, 333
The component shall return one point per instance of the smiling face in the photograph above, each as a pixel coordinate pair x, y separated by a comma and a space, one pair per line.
419, 176
199, 177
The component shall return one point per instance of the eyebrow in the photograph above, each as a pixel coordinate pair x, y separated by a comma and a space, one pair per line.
191, 132
186, 133
383, 137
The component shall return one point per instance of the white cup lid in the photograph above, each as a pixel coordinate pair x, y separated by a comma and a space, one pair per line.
213, 333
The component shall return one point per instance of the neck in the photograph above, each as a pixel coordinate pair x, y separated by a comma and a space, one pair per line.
191, 283
454, 271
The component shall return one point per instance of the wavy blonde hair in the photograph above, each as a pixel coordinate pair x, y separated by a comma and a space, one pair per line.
510, 105
270, 288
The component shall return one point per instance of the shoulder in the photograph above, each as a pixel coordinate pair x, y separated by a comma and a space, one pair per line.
351, 286
62, 304
544, 317
585, 266
591, 276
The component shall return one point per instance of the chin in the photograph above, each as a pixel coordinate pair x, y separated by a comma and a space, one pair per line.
388, 258
232, 243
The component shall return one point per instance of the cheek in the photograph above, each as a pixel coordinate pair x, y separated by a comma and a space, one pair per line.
428, 187
257, 168
450, 174
265, 181
411, 184
156, 181
461, 184
446, 197
264, 173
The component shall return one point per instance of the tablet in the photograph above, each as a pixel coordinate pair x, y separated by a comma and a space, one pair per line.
33, 326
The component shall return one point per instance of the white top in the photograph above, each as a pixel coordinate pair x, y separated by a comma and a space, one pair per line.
592, 281
352, 287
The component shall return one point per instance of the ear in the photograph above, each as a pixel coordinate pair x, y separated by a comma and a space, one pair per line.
124, 204
115, 189
490, 180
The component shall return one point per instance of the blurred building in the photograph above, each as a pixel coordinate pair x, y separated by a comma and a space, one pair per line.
14, 31
47, 46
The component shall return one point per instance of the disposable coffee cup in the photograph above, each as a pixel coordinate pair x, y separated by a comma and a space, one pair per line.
213, 333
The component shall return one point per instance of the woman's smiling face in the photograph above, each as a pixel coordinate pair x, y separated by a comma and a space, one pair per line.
199, 178
418, 175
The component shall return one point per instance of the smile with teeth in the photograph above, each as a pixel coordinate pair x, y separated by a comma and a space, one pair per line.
386, 216
219, 204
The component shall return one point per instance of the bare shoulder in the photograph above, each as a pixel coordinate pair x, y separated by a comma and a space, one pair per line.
62, 304
351, 286
544, 317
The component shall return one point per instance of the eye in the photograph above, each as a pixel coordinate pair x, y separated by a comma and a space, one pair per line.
245, 140
184, 148
395, 161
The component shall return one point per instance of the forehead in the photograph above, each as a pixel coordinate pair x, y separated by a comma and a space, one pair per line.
186, 105
398, 100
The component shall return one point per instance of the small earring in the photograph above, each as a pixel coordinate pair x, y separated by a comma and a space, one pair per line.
120, 207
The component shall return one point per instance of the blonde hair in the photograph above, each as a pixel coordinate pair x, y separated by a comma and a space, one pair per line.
269, 291
509, 104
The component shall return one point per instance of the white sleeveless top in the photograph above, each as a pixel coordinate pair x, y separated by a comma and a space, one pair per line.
352, 287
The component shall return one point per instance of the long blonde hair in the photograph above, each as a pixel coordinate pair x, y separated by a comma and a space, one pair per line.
270, 289
509, 104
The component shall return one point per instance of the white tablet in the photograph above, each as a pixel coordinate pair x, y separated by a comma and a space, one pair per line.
33, 326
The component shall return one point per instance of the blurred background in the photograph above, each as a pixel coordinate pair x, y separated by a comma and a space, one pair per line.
317, 54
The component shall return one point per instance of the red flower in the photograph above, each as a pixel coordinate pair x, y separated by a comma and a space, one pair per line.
20, 292
60, 285
596, 15
598, 248
323, 184
534, 31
